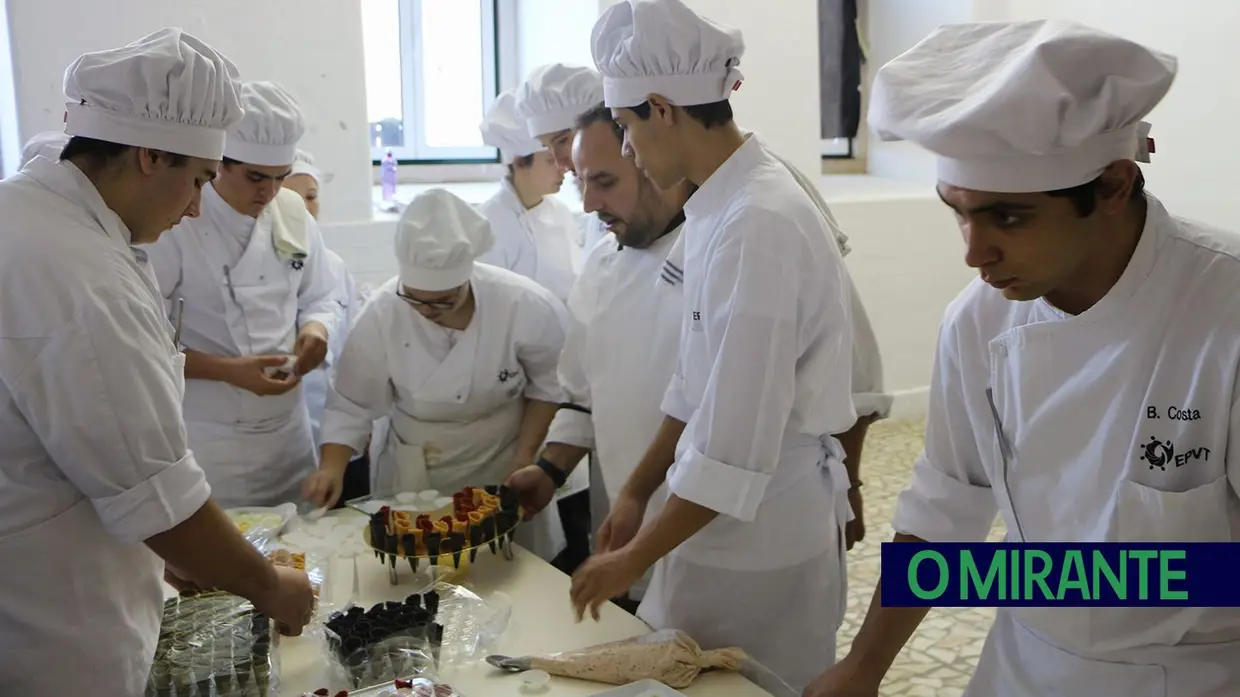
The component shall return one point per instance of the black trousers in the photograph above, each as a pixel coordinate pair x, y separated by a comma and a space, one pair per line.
356, 480
575, 516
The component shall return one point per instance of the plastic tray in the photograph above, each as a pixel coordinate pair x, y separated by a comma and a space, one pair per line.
641, 688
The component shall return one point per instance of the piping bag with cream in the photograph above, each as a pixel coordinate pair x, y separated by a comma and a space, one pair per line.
670, 656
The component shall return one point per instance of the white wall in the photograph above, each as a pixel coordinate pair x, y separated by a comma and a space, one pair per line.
314, 47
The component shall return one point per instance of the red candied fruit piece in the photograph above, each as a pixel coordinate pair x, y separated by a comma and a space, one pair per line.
342, 693
447, 519
469, 491
322, 692
462, 516
424, 523
404, 684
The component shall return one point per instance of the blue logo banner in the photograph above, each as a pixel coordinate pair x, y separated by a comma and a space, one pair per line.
1060, 574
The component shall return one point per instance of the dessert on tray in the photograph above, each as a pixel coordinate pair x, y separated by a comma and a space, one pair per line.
212, 644
389, 640
479, 516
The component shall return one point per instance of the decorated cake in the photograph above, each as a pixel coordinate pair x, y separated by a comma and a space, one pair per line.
479, 516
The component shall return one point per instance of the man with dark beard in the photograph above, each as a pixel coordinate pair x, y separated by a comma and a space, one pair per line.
624, 331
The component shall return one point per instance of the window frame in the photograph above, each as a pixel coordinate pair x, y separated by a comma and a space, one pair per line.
416, 151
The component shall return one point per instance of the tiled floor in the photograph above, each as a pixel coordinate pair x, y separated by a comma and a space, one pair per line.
939, 659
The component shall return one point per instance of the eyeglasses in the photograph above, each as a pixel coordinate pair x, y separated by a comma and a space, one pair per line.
433, 304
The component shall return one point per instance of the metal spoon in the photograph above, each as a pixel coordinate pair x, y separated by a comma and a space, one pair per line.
508, 664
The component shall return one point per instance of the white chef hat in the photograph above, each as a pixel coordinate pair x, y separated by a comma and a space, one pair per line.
273, 124
166, 91
503, 128
645, 47
303, 163
437, 239
1020, 107
554, 95
49, 144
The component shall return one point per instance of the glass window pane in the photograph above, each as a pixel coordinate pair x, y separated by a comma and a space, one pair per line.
384, 96
452, 76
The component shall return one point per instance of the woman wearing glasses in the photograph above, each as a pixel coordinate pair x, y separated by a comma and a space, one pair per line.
460, 355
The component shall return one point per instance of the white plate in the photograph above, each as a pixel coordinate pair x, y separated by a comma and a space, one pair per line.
641, 688
273, 520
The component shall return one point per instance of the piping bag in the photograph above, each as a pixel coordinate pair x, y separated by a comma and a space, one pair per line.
670, 656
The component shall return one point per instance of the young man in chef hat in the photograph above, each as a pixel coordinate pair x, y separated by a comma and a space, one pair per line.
259, 302
1099, 322
764, 371
550, 100
534, 231
97, 482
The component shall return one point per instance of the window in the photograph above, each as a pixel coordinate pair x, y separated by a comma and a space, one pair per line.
431, 74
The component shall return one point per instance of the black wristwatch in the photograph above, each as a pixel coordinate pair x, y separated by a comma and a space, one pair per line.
557, 475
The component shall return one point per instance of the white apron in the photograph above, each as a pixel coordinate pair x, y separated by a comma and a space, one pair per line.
781, 603
256, 450
1072, 465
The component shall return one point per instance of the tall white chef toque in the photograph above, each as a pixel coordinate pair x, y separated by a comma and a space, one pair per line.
504, 129
1022, 107
645, 47
166, 91
554, 95
272, 126
437, 240
47, 144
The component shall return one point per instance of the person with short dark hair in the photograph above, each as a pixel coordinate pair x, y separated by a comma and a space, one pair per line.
1099, 323
764, 372
624, 328
258, 296
100, 494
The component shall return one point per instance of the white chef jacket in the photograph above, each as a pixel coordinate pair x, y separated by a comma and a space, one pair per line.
539, 243
619, 354
763, 378
869, 396
93, 454
455, 398
1120, 423
314, 386
243, 298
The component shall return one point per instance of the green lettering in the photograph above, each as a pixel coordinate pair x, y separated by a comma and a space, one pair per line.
1039, 576
971, 578
1167, 574
944, 577
1072, 575
1013, 590
1102, 567
1143, 557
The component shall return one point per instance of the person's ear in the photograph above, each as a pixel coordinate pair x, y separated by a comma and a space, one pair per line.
1115, 186
661, 109
148, 159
